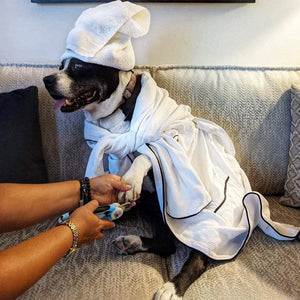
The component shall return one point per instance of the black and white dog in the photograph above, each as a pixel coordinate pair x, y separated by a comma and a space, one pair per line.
99, 91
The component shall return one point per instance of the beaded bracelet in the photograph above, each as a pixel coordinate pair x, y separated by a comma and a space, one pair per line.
85, 190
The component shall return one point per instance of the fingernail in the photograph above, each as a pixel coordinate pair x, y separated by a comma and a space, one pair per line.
128, 186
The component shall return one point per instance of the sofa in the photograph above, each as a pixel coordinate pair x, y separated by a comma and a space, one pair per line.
254, 106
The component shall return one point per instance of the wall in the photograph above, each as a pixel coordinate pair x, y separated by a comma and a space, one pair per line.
263, 34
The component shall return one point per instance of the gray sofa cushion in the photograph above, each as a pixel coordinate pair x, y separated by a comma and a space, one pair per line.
265, 268
252, 104
64, 148
292, 185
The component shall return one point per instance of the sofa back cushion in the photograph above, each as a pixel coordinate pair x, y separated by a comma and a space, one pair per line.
251, 104
65, 150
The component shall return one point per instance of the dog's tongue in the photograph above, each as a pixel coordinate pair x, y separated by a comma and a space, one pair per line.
59, 103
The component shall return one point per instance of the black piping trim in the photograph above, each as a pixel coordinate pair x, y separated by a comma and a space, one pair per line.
243, 201
248, 231
89, 140
164, 196
129, 158
189, 216
161, 173
225, 195
260, 211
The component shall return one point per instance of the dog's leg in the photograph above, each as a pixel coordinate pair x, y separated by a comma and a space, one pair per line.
163, 241
135, 176
162, 244
192, 269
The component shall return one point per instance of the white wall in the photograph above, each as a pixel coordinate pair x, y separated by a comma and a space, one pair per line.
263, 34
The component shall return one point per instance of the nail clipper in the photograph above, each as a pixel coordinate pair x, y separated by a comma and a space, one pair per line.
105, 212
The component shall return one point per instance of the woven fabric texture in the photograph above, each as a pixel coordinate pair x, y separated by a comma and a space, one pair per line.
265, 268
251, 104
65, 150
292, 185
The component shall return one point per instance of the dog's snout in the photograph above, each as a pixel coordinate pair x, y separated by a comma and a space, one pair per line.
49, 80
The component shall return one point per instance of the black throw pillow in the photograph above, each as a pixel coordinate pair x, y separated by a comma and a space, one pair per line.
21, 154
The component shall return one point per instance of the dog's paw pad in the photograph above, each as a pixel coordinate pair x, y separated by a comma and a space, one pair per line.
167, 292
129, 244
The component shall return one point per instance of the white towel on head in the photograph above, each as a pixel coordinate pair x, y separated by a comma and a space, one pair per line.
102, 34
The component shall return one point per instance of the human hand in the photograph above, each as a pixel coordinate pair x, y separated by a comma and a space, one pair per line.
105, 188
89, 226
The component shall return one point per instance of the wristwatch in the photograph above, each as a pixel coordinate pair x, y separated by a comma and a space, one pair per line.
74, 230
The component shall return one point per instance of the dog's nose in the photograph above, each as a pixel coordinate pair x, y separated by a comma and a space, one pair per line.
49, 80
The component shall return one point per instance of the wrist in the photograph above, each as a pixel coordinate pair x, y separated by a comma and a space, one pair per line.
75, 197
85, 191
75, 235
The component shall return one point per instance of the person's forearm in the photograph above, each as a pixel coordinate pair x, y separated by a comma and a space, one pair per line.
23, 205
24, 264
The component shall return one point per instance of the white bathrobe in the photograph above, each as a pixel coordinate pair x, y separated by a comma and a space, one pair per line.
204, 195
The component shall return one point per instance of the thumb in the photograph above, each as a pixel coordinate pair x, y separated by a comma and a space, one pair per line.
120, 185
92, 205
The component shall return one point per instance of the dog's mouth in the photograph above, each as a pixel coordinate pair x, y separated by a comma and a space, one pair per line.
77, 103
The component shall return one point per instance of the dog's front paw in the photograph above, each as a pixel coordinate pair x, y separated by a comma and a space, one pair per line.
167, 292
128, 244
136, 182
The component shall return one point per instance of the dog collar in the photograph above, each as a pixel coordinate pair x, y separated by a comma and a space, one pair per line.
129, 96
130, 87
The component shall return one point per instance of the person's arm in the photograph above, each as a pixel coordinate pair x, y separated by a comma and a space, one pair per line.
22, 265
23, 205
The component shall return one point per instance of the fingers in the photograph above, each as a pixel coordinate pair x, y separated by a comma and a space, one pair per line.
104, 226
107, 224
101, 183
89, 226
120, 185
92, 205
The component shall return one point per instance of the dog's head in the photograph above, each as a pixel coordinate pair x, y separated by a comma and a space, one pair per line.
78, 84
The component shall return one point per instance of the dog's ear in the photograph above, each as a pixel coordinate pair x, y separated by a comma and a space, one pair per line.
61, 65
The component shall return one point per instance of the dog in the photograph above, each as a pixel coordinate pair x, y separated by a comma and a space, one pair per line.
98, 90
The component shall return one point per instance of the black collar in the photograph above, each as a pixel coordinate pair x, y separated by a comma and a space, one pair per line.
130, 95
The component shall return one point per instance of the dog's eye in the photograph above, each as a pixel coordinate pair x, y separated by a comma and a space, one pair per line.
77, 67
